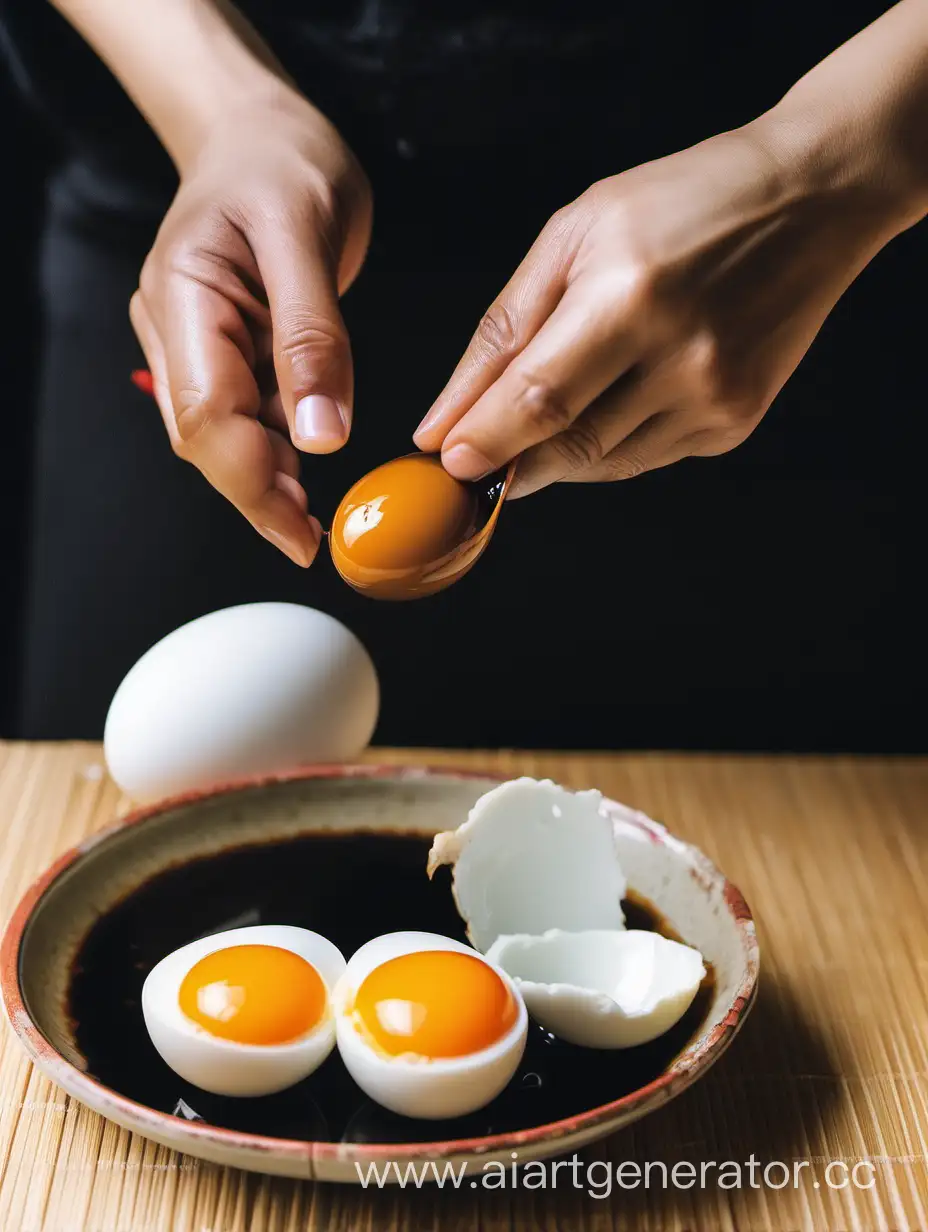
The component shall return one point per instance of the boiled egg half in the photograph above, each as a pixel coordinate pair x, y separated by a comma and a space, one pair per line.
245, 1012
428, 1027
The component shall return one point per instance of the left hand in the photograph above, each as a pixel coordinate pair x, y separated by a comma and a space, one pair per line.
656, 317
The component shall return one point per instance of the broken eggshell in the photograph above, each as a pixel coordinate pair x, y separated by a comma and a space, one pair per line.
533, 856
603, 989
537, 880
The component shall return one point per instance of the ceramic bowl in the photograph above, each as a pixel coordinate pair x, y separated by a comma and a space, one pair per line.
54, 916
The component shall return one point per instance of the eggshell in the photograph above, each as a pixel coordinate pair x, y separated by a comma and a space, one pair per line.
245, 690
415, 1086
532, 856
602, 989
222, 1066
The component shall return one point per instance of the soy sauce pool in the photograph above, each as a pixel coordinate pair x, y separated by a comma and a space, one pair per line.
349, 887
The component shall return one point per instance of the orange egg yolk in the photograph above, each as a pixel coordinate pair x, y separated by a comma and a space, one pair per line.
435, 1004
406, 514
254, 994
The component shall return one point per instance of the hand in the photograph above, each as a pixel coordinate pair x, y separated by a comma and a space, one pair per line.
655, 318
237, 309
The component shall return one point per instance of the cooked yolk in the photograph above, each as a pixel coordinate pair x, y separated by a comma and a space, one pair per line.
254, 994
436, 1004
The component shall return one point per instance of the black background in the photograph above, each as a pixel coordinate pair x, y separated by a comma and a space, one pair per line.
769, 599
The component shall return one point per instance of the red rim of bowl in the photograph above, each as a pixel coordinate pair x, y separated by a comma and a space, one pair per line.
689, 1065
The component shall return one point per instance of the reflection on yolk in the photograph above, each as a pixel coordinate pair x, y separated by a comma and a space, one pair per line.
254, 994
407, 514
436, 1004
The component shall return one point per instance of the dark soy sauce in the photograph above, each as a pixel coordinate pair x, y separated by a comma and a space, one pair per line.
349, 887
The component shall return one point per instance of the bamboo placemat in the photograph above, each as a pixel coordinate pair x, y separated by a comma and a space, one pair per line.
830, 1070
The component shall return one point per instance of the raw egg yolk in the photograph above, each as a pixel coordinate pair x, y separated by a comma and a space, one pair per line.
406, 514
436, 1003
254, 994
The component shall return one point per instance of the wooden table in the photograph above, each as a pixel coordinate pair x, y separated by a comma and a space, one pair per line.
832, 1067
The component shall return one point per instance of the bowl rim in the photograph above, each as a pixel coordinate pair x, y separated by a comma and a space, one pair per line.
689, 1064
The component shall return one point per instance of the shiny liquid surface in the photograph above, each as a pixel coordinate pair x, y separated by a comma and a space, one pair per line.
254, 994
435, 1004
349, 887
403, 521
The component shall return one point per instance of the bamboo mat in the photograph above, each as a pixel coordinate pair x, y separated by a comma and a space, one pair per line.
831, 1068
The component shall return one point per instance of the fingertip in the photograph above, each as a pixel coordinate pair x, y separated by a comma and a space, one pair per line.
464, 462
424, 435
294, 550
283, 522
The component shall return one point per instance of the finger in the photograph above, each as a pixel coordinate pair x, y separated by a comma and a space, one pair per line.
656, 442
272, 414
291, 487
312, 355
215, 400
520, 310
153, 351
286, 458
580, 351
594, 434
287, 475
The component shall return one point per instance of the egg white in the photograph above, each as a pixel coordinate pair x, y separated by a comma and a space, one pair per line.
417, 1086
225, 1067
602, 988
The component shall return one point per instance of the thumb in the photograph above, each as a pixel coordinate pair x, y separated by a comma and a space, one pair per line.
312, 354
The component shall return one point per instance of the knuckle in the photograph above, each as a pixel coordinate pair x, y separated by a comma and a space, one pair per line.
540, 406
704, 368
561, 220
497, 331
625, 463
639, 286
715, 441
581, 447
149, 278
179, 446
715, 380
310, 338
192, 412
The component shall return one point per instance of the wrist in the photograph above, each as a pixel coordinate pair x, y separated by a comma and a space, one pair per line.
849, 134
234, 81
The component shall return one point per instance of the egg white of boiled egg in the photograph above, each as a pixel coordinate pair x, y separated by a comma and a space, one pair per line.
261, 994
426, 1026
246, 690
602, 989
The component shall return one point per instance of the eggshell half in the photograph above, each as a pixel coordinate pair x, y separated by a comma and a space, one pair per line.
602, 989
532, 856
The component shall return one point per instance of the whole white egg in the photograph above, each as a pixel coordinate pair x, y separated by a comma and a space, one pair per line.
246, 690
413, 1083
226, 1066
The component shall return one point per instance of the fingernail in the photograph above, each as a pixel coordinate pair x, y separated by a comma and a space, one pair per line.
294, 551
318, 419
465, 462
428, 422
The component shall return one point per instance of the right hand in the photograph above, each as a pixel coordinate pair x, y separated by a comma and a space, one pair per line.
237, 309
